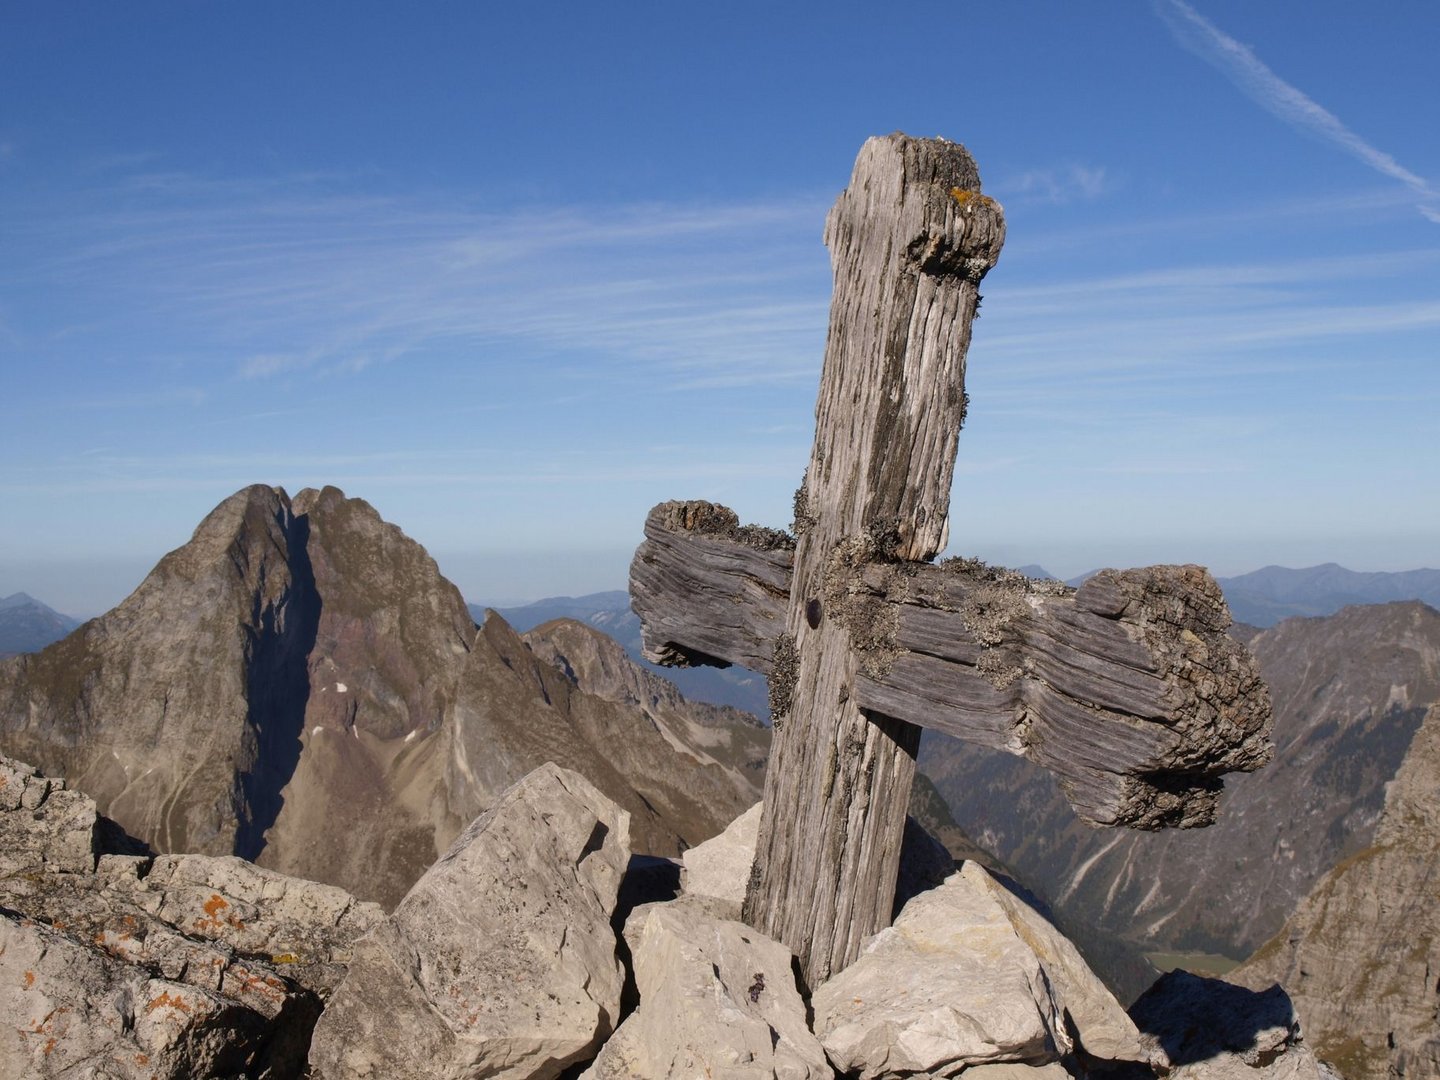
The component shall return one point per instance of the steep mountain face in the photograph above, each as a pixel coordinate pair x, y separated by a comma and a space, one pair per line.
1361, 955
300, 686
1349, 692
27, 625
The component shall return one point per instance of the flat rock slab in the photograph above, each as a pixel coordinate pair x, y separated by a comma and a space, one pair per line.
500, 962
720, 867
716, 999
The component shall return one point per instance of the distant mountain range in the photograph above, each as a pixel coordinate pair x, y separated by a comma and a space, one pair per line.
26, 624
1264, 597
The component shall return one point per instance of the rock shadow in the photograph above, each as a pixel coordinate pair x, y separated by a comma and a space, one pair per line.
278, 686
1196, 1019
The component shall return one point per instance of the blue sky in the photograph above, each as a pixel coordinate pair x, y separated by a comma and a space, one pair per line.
514, 276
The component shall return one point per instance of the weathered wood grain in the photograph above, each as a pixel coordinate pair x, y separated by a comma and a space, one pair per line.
909, 238
1129, 689
1137, 711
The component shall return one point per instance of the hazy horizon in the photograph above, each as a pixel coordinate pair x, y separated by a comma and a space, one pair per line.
85, 589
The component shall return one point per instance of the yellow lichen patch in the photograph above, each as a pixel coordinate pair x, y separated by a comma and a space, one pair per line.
285, 958
968, 200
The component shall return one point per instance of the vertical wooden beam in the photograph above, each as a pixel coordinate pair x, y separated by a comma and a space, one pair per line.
909, 240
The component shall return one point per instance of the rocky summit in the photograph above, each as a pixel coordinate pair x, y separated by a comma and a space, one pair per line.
513, 957
298, 685
1361, 956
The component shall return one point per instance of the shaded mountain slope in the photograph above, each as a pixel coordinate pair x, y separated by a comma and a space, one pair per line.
1361, 956
1349, 692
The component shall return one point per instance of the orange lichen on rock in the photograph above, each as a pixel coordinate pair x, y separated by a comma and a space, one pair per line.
29, 979
213, 919
166, 1000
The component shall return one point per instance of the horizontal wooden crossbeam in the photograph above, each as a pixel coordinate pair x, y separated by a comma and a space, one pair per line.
1128, 689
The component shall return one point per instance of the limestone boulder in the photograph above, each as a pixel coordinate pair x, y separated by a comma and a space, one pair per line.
69, 1008
720, 866
1208, 1029
716, 999
948, 986
1101, 1027
501, 960
968, 975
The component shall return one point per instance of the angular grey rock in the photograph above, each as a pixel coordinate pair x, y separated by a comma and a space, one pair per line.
69, 1008
969, 974
137, 967
716, 999
500, 962
720, 867
949, 986
1208, 1029
1102, 1027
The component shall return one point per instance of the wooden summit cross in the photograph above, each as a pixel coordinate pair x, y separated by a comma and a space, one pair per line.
1128, 689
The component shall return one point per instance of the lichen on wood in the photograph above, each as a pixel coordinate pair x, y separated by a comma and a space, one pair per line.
783, 671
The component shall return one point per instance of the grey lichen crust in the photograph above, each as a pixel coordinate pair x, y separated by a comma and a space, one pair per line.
712, 519
1217, 694
862, 584
783, 674
994, 600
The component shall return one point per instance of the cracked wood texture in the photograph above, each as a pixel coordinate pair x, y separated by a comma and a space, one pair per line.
1129, 690
909, 238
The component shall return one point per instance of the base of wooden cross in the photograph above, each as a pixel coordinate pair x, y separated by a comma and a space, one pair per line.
826, 880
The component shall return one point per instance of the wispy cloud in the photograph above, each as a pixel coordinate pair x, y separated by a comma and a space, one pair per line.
1286, 102
295, 278
1057, 186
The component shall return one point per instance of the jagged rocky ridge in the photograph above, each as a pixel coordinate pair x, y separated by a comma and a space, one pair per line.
1349, 691
300, 686
504, 961
1361, 956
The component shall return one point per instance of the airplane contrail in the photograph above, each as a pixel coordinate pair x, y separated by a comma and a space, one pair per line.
1254, 78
